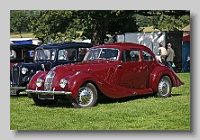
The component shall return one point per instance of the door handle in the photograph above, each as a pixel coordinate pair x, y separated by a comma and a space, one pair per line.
119, 66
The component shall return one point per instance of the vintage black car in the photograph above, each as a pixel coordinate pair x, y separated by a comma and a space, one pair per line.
45, 58
21, 53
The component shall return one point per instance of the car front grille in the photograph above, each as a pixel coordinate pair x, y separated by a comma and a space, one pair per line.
15, 75
48, 80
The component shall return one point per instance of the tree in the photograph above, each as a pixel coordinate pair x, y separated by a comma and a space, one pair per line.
173, 23
96, 24
52, 24
170, 20
102, 22
18, 21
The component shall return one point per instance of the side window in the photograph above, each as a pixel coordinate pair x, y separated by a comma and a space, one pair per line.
62, 54
31, 53
131, 56
147, 56
72, 54
67, 54
135, 55
82, 52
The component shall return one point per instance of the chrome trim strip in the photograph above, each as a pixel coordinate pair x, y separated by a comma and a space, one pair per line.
48, 92
17, 88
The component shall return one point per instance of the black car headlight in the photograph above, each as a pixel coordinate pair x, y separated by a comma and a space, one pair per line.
24, 70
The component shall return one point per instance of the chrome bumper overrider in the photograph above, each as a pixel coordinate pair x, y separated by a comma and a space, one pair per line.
48, 92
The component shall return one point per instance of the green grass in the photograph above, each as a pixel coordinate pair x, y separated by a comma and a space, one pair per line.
135, 113
24, 35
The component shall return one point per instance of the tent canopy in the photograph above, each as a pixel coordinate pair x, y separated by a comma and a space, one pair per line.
186, 38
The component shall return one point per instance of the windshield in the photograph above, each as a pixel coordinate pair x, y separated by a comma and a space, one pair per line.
44, 54
102, 53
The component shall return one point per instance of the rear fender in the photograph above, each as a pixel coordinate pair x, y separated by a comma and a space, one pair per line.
160, 71
156, 75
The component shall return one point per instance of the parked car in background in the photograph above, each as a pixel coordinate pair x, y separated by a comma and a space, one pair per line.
21, 53
45, 58
115, 70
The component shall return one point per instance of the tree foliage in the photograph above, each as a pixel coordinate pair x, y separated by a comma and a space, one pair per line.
95, 24
18, 21
101, 22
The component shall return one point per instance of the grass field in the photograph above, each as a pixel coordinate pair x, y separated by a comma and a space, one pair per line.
135, 113
24, 35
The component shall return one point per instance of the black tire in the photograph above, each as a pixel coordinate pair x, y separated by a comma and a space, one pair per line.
164, 87
87, 96
39, 102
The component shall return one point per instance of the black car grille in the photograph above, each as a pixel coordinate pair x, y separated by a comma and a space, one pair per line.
15, 75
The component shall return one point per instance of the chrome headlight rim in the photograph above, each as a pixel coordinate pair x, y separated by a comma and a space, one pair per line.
63, 83
39, 82
24, 70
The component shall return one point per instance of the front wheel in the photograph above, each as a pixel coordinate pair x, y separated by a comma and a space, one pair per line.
87, 96
164, 87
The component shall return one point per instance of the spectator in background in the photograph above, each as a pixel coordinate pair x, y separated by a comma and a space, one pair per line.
162, 53
188, 61
170, 56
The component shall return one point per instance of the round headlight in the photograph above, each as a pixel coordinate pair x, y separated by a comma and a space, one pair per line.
39, 82
24, 70
63, 83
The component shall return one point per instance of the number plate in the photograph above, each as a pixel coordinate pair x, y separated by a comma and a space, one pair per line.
46, 96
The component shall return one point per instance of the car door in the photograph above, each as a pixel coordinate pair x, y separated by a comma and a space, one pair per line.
131, 72
149, 63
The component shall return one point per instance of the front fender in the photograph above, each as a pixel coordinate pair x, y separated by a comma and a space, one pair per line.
27, 78
77, 80
33, 79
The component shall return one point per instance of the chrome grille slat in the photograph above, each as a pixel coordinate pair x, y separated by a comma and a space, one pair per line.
48, 81
15, 75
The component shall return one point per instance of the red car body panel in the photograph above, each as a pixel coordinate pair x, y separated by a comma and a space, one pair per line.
115, 79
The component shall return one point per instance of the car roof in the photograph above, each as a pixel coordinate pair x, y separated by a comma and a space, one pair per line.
65, 45
17, 46
123, 45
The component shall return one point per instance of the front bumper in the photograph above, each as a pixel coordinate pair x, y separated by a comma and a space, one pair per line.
14, 90
48, 92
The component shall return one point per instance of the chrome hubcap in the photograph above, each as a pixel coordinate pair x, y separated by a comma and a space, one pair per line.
85, 96
163, 87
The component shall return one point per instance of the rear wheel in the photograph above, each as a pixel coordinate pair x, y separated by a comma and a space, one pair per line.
164, 87
39, 102
87, 96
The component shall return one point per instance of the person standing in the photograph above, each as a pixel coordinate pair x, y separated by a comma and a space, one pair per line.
162, 53
170, 56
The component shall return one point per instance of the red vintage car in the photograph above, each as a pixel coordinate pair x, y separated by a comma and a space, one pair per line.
115, 70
